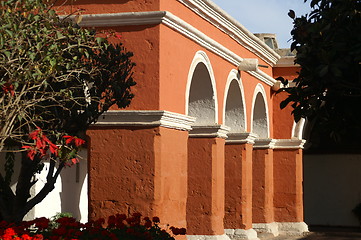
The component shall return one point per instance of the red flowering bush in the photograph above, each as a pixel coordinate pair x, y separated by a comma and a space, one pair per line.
119, 226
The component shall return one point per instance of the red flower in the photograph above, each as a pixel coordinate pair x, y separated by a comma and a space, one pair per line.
34, 134
42, 144
8, 88
26, 237
70, 139
117, 35
78, 142
74, 160
31, 152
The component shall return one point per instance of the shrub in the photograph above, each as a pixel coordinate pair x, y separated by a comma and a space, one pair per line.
118, 226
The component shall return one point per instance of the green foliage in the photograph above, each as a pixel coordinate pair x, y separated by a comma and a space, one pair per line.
328, 88
55, 80
53, 220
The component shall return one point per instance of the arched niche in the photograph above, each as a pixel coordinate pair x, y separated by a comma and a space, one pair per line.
201, 96
298, 129
234, 104
260, 120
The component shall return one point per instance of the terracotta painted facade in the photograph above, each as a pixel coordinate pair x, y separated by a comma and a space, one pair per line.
204, 144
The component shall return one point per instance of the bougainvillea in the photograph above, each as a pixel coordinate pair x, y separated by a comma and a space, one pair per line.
118, 226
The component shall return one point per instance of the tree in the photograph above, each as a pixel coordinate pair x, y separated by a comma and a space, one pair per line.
328, 88
56, 80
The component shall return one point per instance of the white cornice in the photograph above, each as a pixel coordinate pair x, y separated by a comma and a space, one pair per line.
220, 19
266, 143
122, 19
241, 138
209, 131
175, 23
289, 143
260, 75
146, 118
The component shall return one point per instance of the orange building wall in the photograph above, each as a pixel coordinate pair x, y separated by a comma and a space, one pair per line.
283, 122
148, 173
263, 187
205, 202
238, 186
108, 6
288, 177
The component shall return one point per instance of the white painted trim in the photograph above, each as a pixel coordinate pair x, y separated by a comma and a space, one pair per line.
236, 234
201, 57
208, 237
298, 128
215, 131
289, 143
233, 75
266, 228
241, 138
122, 19
260, 89
175, 23
266, 143
146, 118
220, 19
262, 76
292, 228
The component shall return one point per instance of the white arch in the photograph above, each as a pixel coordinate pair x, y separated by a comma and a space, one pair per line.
259, 90
234, 76
298, 129
201, 57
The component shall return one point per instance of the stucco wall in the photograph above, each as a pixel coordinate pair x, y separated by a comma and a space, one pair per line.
332, 188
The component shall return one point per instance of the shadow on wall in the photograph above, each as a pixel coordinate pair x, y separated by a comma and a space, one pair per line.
332, 188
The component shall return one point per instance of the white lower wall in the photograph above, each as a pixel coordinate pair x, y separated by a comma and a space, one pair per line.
332, 188
70, 193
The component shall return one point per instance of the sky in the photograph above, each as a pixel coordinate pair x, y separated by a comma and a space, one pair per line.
266, 16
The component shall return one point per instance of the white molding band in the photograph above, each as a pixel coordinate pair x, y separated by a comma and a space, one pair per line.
241, 138
175, 23
208, 237
146, 118
122, 19
292, 228
236, 234
210, 131
289, 143
264, 143
262, 76
227, 24
277, 143
283, 228
266, 228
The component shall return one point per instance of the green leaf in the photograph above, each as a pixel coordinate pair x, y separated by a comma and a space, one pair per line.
10, 33
59, 35
7, 54
53, 62
100, 40
1, 42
